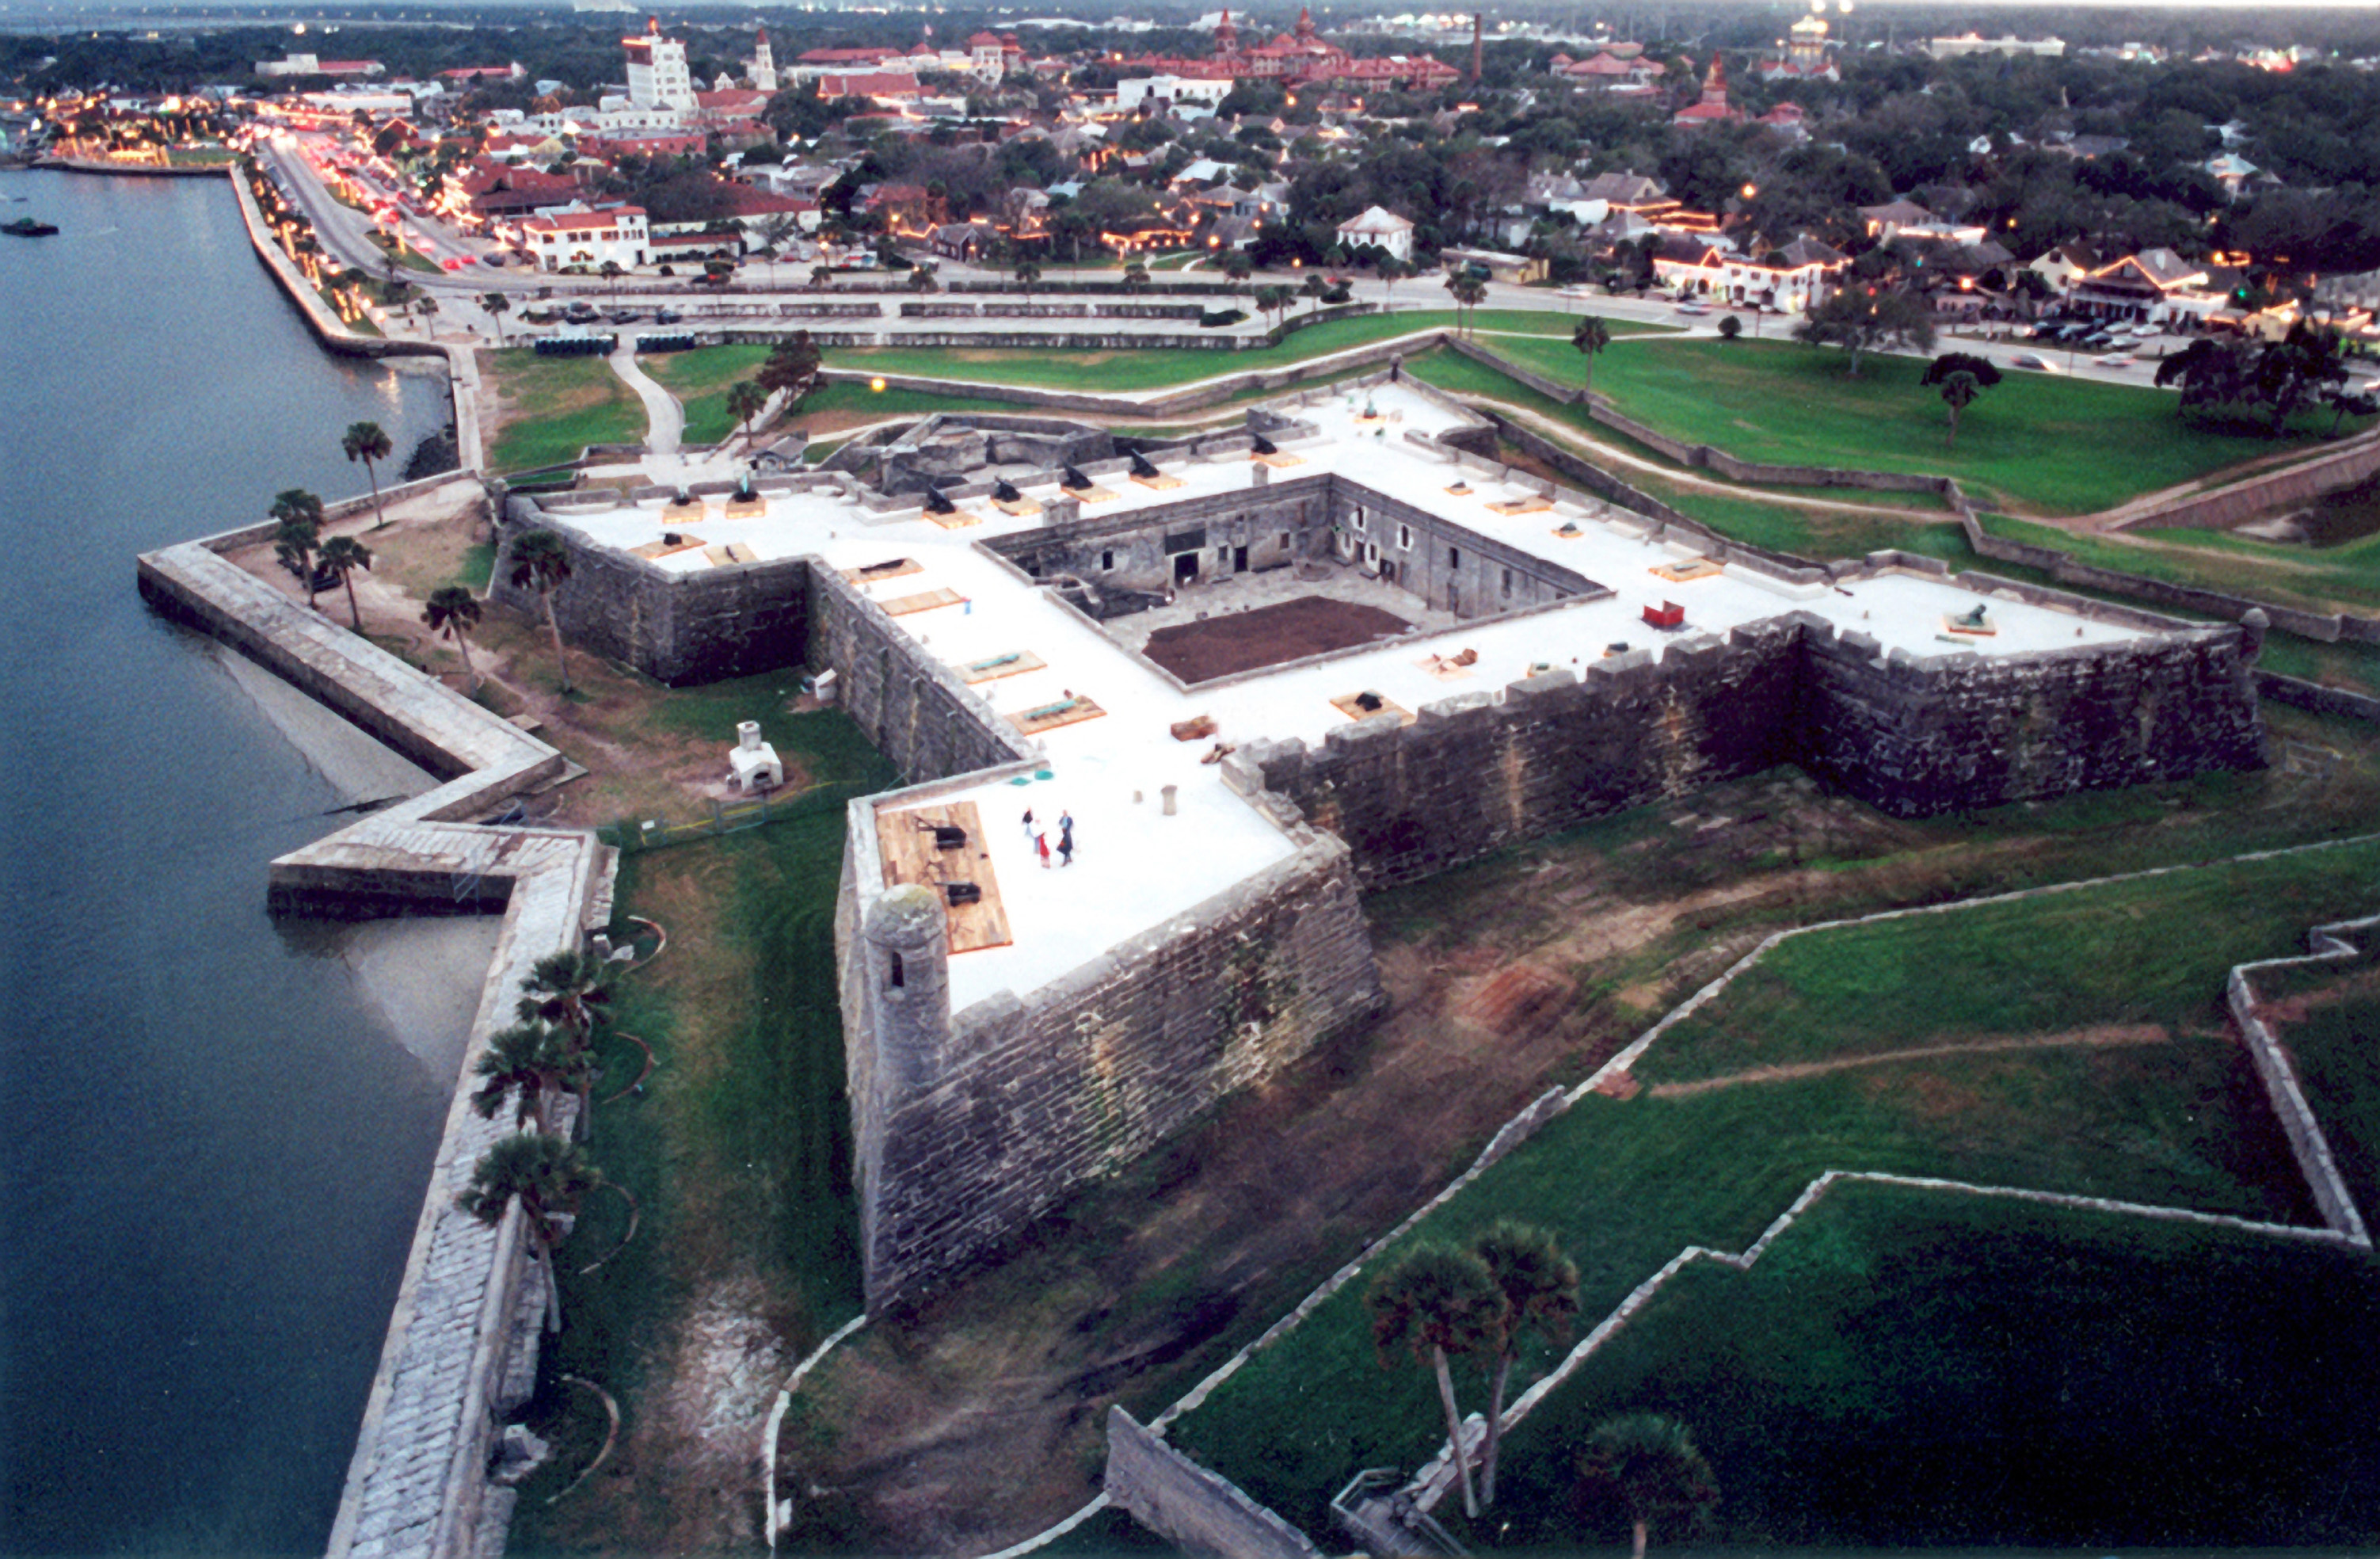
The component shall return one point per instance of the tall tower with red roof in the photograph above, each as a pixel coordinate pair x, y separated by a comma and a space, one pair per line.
1227, 37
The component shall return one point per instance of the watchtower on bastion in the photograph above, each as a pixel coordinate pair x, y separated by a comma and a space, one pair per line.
1237, 679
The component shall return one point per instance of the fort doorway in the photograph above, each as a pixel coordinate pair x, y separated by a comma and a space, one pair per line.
1239, 560
1186, 569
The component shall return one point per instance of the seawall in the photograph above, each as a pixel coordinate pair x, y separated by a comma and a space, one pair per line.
461, 1348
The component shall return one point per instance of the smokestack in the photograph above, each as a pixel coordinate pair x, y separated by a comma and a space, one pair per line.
1475, 48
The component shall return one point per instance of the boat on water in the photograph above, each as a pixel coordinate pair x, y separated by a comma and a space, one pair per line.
26, 227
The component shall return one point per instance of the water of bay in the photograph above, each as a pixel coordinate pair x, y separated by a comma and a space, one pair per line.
212, 1145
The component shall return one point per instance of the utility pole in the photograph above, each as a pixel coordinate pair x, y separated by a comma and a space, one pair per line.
1475, 48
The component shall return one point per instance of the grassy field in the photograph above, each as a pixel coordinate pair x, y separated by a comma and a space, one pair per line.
553, 408
1907, 1371
737, 1150
2035, 444
2326, 1016
2172, 1117
2328, 580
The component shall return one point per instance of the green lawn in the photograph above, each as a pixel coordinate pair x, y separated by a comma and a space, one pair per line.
555, 406
2327, 1016
1163, 367
739, 1150
1627, 1184
2326, 579
1905, 1370
2036, 443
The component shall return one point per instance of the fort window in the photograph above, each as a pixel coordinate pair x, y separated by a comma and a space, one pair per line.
1284, 541
1107, 563
893, 973
1453, 557
1359, 519
1404, 537
1507, 581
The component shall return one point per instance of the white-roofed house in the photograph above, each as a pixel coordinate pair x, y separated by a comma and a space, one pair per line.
1382, 228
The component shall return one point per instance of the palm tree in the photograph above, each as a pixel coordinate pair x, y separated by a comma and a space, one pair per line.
1317, 284
533, 1061
542, 563
612, 271
1274, 300
1391, 271
566, 991
1433, 1302
746, 400
550, 1176
453, 610
1590, 335
1651, 1463
820, 276
921, 279
1135, 278
341, 556
1469, 293
498, 305
1541, 1288
367, 441
1959, 392
300, 535
1027, 275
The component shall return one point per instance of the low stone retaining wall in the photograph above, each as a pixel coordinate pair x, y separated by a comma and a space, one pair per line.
1199, 1511
2354, 463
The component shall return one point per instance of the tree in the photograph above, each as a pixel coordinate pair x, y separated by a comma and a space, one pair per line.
531, 1062
1985, 371
612, 271
1469, 292
1730, 327
1317, 284
367, 441
498, 305
921, 279
549, 1177
454, 610
746, 400
341, 556
1590, 335
1390, 270
542, 563
566, 990
1274, 300
1541, 1288
300, 535
1650, 1464
1135, 278
1433, 1302
1860, 320
1238, 267
1027, 275
820, 276
790, 368
1959, 392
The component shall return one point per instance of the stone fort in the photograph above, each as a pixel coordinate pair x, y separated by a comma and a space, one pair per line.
1248, 675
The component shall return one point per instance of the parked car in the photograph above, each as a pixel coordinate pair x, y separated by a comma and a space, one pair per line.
666, 316
491, 260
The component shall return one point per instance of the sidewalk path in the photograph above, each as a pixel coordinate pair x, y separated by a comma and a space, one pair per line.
664, 419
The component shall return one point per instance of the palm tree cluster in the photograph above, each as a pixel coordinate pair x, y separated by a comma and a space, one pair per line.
1440, 1302
549, 1050
541, 561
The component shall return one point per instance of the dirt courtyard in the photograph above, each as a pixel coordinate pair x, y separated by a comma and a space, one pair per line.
1311, 625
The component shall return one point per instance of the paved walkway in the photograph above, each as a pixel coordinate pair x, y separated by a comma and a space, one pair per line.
664, 419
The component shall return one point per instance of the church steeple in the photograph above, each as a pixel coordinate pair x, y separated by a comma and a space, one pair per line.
1715, 86
1227, 37
1305, 25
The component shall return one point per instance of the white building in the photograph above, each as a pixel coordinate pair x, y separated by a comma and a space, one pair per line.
657, 70
588, 238
1191, 96
1382, 227
1968, 43
762, 67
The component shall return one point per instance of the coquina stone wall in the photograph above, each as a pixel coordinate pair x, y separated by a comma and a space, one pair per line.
1197, 1509
1911, 736
969, 1125
913, 709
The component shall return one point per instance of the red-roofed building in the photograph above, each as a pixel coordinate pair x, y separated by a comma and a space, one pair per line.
644, 143
844, 59
881, 86
1712, 108
588, 239
480, 72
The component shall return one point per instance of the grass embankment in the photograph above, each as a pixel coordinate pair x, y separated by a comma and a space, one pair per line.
550, 408
2035, 444
2172, 1116
1904, 1371
2326, 1016
2328, 580
737, 1150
